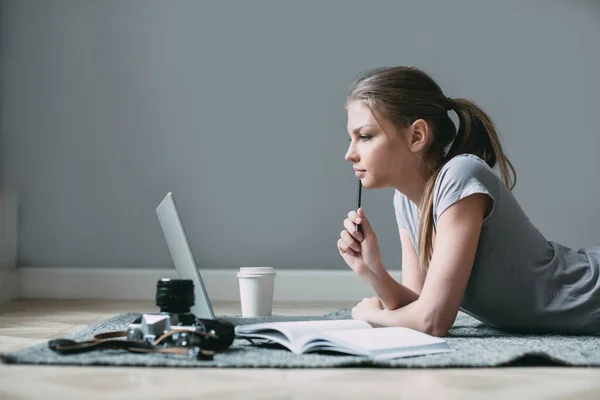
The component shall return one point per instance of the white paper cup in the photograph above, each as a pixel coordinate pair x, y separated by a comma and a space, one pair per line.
256, 291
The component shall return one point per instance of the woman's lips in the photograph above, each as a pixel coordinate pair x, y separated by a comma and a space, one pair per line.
359, 172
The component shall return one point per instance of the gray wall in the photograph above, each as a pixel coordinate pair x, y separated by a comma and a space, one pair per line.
236, 106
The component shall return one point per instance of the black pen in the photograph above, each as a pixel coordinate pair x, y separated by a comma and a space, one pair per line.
358, 227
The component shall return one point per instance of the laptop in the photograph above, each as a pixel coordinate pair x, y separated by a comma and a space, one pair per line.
186, 268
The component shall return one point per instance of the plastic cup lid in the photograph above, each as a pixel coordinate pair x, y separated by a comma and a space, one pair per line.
256, 270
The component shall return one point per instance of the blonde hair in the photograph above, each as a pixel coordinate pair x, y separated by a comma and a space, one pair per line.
404, 94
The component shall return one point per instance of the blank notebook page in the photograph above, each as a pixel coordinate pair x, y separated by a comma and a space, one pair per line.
384, 338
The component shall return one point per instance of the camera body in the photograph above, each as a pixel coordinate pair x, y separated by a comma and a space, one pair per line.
175, 297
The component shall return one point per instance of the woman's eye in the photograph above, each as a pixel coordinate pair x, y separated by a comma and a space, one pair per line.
362, 137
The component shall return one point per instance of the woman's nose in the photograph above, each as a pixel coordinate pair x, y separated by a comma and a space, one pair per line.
351, 155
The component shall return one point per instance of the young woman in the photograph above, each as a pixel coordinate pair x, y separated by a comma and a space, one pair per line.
466, 242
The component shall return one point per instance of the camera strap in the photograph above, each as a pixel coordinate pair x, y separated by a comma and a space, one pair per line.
117, 340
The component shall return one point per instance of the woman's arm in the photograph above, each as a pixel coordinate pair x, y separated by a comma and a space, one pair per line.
454, 251
413, 276
391, 293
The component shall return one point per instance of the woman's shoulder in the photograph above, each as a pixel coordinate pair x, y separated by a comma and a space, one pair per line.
466, 164
464, 175
465, 168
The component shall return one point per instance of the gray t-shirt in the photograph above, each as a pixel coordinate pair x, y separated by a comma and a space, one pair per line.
520, 281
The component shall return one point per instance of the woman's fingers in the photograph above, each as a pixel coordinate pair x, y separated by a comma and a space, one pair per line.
350, 241
351, 228
354, 217
344, 249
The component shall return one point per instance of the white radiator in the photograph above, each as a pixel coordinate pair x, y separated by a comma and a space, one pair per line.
8, 230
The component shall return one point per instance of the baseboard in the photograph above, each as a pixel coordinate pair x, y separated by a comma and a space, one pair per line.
9, 285
222, 285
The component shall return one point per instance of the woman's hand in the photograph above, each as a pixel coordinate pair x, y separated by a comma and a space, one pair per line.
359, 250
366, 308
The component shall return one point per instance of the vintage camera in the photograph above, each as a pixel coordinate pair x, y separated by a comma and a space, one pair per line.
175, 297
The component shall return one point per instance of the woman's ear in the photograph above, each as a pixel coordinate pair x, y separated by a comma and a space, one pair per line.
419, 136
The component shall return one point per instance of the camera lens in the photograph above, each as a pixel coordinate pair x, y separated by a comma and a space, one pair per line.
175, 295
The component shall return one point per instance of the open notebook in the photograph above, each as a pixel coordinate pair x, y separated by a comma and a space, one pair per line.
345, 336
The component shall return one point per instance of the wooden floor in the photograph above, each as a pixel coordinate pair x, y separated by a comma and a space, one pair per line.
28, 322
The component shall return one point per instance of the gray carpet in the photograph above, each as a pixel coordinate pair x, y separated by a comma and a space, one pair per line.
476, 346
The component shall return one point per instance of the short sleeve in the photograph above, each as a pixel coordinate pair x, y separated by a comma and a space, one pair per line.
407, 216
400, 215
463, 176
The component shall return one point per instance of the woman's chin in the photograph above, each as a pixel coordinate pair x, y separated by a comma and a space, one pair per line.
367, 184
370, 184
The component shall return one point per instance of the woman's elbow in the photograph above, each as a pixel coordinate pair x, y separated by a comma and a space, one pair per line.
436, 331
435, 325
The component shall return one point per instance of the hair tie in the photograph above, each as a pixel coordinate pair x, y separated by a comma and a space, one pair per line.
450, 104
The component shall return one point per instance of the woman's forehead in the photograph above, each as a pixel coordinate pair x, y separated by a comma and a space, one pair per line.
359, 115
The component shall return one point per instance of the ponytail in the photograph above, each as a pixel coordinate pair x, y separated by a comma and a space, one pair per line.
476, 135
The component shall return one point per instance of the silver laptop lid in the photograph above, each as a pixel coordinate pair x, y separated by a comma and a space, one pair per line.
172, 228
